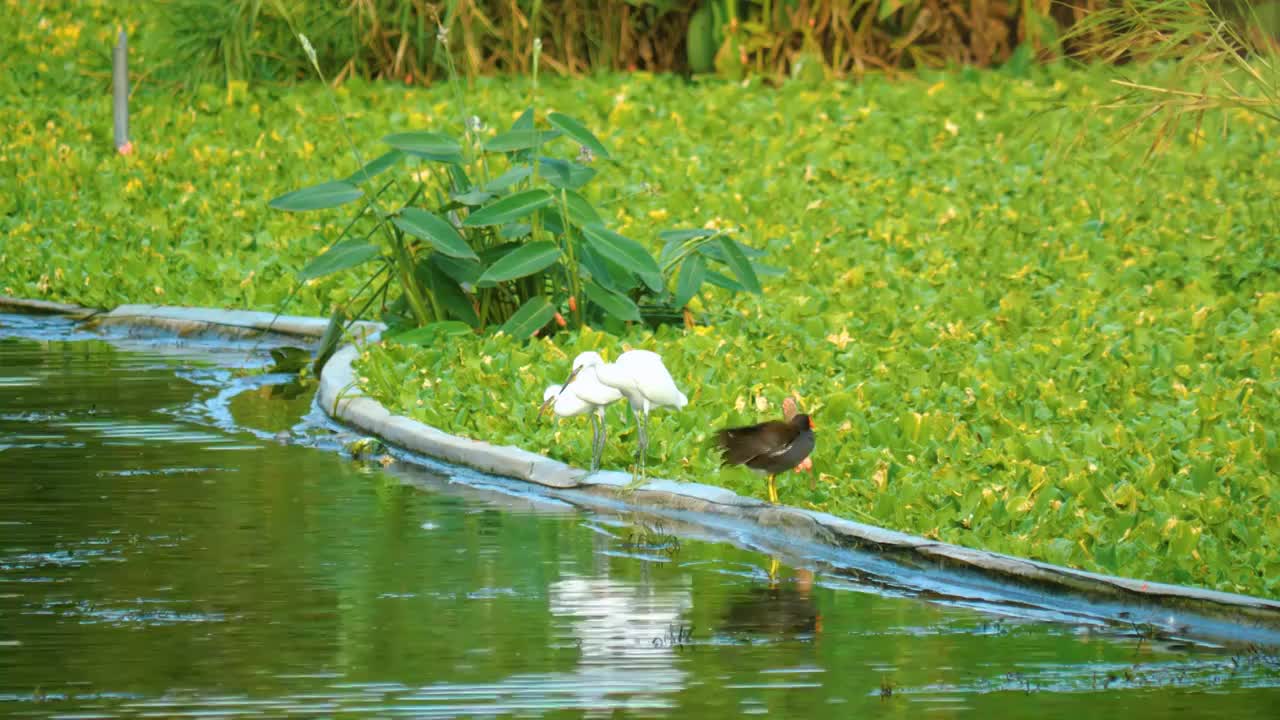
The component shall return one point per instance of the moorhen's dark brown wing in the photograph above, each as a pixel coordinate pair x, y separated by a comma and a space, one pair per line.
773, 447
740, 445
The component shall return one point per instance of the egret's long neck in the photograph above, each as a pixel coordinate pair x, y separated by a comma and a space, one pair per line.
608, 374
612, 376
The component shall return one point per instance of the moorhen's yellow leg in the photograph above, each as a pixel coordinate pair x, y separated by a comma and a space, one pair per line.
773, 491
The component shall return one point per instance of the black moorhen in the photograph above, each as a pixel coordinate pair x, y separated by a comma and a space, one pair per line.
771, 447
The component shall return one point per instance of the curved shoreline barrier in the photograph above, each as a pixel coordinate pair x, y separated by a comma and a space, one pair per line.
341, 399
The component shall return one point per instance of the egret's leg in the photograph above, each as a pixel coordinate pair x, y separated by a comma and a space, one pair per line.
644, 442
597, 443
604, 432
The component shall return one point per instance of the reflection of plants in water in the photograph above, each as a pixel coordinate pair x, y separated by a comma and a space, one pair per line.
678, 637
1145, 631
1266, 657
289, 359
886, 688
365, 448
1256, 665
651, 537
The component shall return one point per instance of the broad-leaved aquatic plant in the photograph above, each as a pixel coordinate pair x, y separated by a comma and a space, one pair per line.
495, 233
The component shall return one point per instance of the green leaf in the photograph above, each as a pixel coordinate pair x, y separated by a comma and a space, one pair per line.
617, 305
458, 177
375, 166
515, 231
578, 132
520, 139
581, 213
625, 252
331, 339
723, 281
552, 221
525, 121
454, 300
473, 197
532, 315
684, 234
431, 333
693, 271
346, 254
507, 179
607, 274
1202, 474
675, 241
565, 174
521, 262
512, 207
429, 145
740, 265
435, 230
767, 270
317, 197
714, 251
461, 271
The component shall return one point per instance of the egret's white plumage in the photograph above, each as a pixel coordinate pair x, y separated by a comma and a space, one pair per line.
643, 379
640, 377
566, 404
585, 380
583, 394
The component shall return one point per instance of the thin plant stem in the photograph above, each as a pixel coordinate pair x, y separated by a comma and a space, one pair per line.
412, 290
572, 265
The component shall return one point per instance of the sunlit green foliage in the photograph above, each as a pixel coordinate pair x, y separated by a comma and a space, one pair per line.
1007, 341
1013, 329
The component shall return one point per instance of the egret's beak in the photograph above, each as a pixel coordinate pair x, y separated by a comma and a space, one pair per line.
551, 400
572, 375
546, 404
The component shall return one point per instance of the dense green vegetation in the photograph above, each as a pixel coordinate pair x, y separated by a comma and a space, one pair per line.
1013, 328
229, 41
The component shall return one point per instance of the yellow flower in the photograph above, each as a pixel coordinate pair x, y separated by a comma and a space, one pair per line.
841, 340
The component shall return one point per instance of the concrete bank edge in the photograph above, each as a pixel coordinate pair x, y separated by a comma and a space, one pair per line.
185, 321
340, 397
342, 400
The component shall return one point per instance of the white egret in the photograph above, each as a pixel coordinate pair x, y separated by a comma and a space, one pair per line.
641, 378
582, 394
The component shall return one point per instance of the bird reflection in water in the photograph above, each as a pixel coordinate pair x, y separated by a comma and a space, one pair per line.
779, 608
621, 630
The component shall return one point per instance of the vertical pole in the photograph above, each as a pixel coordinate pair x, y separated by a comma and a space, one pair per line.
120, 90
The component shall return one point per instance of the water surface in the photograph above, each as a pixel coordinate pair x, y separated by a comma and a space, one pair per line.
179, 536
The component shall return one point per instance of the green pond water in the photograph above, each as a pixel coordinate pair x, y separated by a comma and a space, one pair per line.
181, 536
